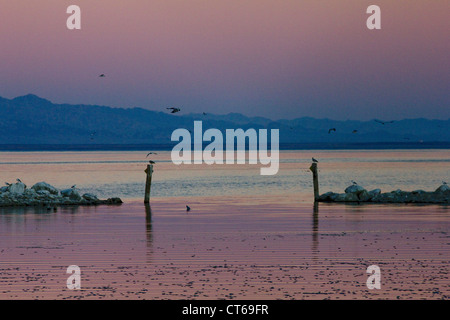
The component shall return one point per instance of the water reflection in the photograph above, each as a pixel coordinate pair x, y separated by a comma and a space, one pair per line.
148, 223
315, 228
8, 213
149, 231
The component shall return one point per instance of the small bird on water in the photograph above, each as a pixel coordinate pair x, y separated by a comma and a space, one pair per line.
331, 129
188, 208
314, 160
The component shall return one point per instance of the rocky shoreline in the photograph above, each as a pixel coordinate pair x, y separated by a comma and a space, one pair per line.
44, 194
357, 194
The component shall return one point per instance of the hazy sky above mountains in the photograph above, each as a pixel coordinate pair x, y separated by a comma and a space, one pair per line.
278, 59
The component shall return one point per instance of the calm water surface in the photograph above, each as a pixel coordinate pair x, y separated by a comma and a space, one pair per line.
247, 236
120, 174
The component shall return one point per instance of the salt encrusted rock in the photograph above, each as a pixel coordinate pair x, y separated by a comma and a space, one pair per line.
364, 196
354, 189
72, 194
18, 187
113, 201
443, 188
43, 194
89, 197
44, 186
327, 196
347, 197
375, 192
356, 193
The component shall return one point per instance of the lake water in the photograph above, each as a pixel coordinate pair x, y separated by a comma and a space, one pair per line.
247, 236
121, 174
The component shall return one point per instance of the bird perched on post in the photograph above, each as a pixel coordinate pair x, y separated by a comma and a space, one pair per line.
174, 110
314, 160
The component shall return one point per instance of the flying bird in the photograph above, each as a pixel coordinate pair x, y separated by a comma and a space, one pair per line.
150, 153
315, 160
383, 122
331, 129
174, 110
188, 208
102, 75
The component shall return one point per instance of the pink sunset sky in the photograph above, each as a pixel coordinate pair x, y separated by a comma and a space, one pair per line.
274, 58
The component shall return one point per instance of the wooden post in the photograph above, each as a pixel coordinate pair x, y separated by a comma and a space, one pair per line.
148, 183
313, 168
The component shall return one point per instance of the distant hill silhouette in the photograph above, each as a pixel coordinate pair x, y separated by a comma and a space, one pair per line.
30, 119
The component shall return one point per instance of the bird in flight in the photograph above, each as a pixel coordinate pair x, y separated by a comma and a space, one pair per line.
150, 153
102, 75
331, 129
383, 122
174, 110
188, 208
314, 160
